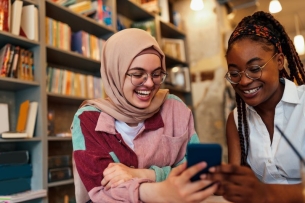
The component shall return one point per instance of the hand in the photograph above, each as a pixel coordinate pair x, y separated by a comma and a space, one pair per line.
117, 173
238, 184
178, 187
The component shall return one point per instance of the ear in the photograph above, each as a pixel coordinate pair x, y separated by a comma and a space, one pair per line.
280, 59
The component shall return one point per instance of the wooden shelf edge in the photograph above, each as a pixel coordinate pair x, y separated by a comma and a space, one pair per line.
62, 182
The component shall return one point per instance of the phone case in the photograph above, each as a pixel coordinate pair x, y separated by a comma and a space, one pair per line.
210, 153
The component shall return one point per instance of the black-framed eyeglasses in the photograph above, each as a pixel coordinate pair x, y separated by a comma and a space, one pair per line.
253, 72
139, 77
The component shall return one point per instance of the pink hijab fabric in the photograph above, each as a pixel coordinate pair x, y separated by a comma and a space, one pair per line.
117, 55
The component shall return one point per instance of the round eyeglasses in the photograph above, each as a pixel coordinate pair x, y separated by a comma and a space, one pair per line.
139, 77
253, 72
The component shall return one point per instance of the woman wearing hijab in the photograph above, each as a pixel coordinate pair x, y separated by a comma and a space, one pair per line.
126, 145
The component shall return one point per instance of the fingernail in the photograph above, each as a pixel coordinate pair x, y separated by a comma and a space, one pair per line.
212, 169
203, 176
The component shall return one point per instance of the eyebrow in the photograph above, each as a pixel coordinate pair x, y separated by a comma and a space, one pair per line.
142, 69
248, 62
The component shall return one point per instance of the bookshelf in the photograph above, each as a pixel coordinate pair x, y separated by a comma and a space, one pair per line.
14, 91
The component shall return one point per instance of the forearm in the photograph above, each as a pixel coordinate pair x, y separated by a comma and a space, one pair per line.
152, 192
147, 173
284, 193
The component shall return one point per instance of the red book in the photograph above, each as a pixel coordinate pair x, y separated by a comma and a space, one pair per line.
5, 15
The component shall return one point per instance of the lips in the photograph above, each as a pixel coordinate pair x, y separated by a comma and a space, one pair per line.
143, 93
251, 91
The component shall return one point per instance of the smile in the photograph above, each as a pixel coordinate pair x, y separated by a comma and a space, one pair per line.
143, 93
252, 91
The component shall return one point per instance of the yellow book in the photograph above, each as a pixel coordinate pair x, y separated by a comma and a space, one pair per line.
22, 117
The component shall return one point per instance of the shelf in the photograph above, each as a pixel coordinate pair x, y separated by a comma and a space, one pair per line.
29, 2
13, 84
76, 21
73, 60
65, 99
63, 182
6, 37
170, 31
59, 138
171, 62
34, 139
133, 11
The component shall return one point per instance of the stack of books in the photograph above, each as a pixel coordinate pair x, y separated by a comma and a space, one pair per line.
16, 172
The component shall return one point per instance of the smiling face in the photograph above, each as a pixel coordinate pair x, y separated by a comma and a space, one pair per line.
265, 90
141, 96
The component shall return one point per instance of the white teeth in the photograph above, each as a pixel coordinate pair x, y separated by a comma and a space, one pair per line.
144, 92
252, 91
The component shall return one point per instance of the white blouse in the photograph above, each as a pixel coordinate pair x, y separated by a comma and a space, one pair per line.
277, 163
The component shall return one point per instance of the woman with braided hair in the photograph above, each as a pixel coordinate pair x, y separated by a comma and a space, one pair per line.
262, 166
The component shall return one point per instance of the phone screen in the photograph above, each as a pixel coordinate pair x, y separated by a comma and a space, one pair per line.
210, 153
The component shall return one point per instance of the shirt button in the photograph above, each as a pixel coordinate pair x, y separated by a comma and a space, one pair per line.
269, 160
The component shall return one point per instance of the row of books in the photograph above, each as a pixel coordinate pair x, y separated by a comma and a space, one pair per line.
58, 34
16, 62
16, 172
95, 9
18, 19
25, 123
59, 168
86, 44
67, 82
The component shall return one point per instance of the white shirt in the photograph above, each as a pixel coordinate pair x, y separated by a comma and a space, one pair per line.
278, 163
127, 132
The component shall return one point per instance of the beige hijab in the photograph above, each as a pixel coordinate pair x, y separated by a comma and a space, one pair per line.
117, 55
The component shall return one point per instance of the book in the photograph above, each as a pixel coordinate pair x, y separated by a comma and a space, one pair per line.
22, 117
4, 118
26, 121
5, 7
13, 186
16, 17
8, 172
29, 22
14, 157
31, 119
23, 196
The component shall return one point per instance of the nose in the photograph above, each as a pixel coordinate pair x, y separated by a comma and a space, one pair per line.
244, 79
149, 81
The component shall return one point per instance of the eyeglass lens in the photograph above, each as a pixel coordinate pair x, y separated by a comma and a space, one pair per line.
140, 77
252, 72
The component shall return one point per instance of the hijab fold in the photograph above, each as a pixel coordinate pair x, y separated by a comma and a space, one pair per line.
117, 55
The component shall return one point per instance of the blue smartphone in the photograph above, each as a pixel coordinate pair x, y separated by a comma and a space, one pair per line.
210, 153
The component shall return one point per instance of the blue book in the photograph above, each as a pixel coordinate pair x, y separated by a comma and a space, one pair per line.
8, 172
8, 187
76, 42
14, 157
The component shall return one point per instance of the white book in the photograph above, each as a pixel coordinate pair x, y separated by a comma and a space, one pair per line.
16, 17
30, 124
24, 196
13, 135
31, 121
4, 119
29, 22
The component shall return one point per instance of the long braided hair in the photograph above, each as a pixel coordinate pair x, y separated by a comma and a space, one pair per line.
262, 27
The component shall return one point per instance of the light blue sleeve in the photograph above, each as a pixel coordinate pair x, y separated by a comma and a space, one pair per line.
163, 172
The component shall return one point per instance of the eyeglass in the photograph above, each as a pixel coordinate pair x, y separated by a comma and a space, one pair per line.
139, 77
253, 72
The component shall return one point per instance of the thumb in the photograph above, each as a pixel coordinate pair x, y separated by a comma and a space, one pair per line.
178, 170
